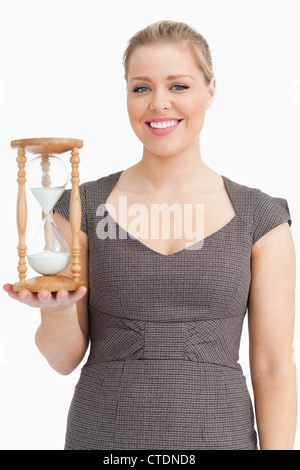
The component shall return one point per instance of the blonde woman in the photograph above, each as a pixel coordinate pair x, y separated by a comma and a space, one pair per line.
163, 313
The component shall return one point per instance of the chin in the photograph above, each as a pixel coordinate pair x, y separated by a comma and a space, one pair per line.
165, 150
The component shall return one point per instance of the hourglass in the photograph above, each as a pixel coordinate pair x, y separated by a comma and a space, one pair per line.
47, 176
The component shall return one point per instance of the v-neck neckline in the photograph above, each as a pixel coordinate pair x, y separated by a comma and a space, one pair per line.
183, 250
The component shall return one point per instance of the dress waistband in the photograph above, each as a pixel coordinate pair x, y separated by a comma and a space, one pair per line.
214, 341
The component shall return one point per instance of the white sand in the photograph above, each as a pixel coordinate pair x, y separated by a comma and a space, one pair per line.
47, 197
49, 262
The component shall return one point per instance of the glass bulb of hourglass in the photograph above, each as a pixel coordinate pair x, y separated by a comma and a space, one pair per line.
48, 253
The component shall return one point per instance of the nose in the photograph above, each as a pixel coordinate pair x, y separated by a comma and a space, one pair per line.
159, 100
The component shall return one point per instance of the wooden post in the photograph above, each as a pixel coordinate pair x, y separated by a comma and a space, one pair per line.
21, 214
75, 215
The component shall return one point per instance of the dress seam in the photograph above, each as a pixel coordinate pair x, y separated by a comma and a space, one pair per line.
89, 363
167, 321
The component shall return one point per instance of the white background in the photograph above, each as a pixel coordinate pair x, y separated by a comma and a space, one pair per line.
61, 75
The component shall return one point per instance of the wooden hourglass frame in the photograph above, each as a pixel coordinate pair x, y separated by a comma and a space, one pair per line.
45, 147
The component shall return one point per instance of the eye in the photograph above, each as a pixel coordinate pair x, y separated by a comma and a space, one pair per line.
140, 89
180, 87
143, 89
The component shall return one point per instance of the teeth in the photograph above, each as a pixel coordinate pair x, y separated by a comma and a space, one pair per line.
163, 124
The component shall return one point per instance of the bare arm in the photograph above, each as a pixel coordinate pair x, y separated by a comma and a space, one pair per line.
271, 312
63, 335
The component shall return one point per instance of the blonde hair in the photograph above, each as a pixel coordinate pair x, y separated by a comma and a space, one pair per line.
166, 32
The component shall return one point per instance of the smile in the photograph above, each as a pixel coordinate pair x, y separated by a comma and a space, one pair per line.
163, 127
163, 124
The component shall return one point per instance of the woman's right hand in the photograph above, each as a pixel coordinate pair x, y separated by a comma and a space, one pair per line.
45, 299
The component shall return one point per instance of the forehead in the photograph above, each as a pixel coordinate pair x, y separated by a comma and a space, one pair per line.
164, 59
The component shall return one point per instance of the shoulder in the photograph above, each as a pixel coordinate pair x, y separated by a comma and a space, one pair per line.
242, 191
102, 181
92, 194
261, 210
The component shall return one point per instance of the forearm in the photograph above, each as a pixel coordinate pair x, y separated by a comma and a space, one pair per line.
275, 395
61, 340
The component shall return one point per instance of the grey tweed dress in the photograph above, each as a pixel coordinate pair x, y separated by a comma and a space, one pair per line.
163, 370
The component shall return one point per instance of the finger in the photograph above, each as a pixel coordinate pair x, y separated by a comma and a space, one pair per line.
44, 296
62, 298
29, 298
78, 294
82, 290
22, 295
62, 295
7, 287
70, 297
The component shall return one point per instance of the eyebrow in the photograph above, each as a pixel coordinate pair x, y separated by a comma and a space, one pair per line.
170, 77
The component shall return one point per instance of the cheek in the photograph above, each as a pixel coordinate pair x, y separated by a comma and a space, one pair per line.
134, 109
197, 106
198, 112
192, 105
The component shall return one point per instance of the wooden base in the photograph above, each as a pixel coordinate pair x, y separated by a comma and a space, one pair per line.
51, 283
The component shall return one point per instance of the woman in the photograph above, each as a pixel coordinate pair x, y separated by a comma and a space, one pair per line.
164, 313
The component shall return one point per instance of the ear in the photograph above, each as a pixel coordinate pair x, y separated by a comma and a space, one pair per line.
211, 92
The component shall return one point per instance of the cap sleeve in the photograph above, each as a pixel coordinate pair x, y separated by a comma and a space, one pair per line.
268, 213
63, 205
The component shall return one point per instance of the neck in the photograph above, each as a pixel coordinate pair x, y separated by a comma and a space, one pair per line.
177, 172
